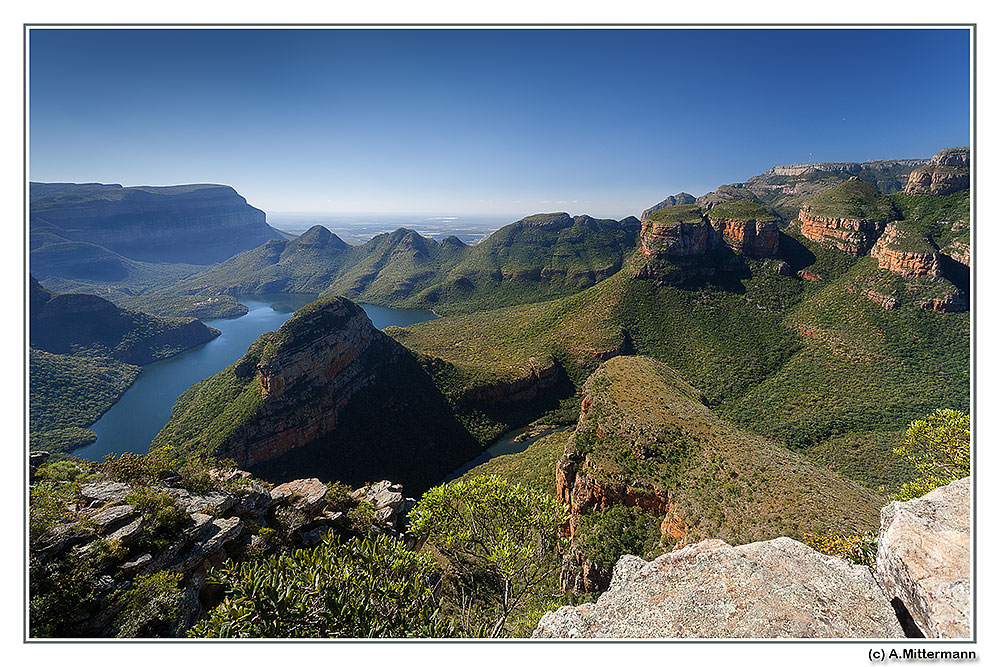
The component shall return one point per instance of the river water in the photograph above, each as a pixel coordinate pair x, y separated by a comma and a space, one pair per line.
132, 423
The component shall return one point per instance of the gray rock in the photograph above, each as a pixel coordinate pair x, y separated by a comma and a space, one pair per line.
135, 563
112, 517
222, 530
128, 534
390, 504
775, 589
210, 503
104, 492
924, 559
305, 495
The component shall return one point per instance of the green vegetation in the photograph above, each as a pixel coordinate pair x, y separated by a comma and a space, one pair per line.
365, 587
609, 534
854, 199
722, 482
938, 448
740, 209
942, 219
534, 468
500, 541
676, 214
68, 393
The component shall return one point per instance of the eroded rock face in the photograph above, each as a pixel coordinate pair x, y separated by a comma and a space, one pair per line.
775, 589
924, 559
756, 238
947, 172
666, 241
845, 234
889, 252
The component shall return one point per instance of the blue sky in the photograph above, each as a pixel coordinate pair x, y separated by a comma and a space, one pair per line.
604, 122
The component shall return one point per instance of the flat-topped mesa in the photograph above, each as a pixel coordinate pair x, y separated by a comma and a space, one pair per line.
947, 172
841, 167
848, 217
676, 231
744, 226
905, 253
679, 199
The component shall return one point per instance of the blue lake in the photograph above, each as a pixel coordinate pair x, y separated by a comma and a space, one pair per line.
132, 423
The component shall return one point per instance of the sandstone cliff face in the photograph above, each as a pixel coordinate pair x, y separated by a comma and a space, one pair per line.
947, 171
665, 241
755, 238
845, 234
197, 224
891, 255
775, 589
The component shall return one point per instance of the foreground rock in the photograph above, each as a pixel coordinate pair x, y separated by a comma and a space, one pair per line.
924, 559
775, 589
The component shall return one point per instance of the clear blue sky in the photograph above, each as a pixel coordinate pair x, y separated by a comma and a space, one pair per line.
604, 122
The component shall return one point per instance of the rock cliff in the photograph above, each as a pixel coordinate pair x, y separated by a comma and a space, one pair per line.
850, 235
775, 589
194, 224
947, 171
924, 559
906, 254
327, 395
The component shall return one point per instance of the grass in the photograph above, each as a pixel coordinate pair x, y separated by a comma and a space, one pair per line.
854, 199
724, 482
690, 213
740, 209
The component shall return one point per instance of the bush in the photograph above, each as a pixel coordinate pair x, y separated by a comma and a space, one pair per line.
371, 587
938, 447
151, 607
500, 539
860, 549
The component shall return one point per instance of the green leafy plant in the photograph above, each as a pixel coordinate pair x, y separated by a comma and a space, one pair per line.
938, 447
151, 606
370, 587
500, 539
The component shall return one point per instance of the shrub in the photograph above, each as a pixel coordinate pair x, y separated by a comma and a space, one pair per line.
151, 606
860, 548
371, 587
938, 447
500, 539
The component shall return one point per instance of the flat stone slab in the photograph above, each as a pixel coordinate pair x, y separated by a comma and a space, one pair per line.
775, 589
924, 559
105, 492
305, 495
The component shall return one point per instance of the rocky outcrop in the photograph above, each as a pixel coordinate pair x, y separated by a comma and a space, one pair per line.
537, 376
195, 224
331, 396
893, 253
947, 172
853, 236
674, 240
955, 302
924, 559
754, 238
775, 589
679, 199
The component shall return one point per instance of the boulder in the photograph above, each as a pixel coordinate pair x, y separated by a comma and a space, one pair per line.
211, 503
924, 559
104, 492
387, 498
111, 518
775, 589
304, 495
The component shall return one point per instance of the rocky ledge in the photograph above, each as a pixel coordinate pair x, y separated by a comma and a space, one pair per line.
924, 559
778, 588
853, 236
783, 589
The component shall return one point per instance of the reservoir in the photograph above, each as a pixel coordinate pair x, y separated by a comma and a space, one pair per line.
132, 423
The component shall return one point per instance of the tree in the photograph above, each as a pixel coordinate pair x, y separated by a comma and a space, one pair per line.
938, 447
501, 540
370, 587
